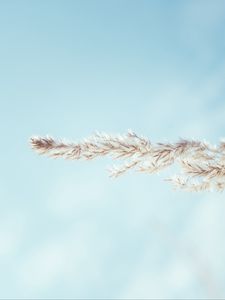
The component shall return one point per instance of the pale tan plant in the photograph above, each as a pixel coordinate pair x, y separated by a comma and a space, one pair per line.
202, 165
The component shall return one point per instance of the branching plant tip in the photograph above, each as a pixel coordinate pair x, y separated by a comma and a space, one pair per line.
202, 165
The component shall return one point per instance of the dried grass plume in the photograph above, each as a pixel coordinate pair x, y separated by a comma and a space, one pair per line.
202, 165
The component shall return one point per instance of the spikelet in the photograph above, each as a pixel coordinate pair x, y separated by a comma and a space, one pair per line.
202, 165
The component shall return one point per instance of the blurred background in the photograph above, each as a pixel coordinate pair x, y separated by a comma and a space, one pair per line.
68, 68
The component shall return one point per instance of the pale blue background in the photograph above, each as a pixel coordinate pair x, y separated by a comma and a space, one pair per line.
68, 68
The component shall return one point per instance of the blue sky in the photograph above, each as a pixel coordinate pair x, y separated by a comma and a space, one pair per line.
69, 68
